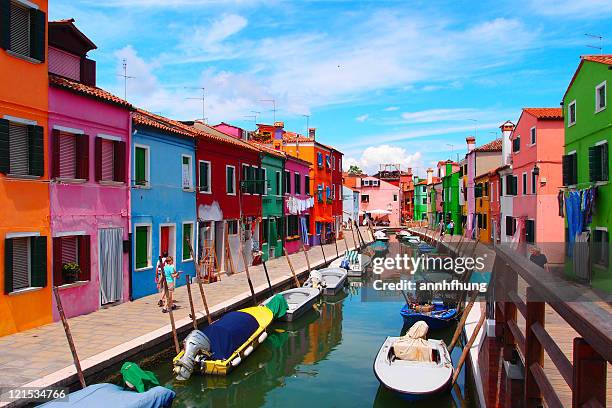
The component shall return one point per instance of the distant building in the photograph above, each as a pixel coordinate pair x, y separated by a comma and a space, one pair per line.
378, 196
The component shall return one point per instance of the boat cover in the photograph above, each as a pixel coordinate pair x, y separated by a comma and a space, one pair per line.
414, 345
136, 377
278, 305
230, 332
110, 395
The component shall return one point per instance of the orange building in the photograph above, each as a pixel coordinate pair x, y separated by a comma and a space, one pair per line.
25, 293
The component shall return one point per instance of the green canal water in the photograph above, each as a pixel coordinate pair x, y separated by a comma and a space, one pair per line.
323, 360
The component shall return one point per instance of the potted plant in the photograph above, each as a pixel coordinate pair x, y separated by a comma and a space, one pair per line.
70, 272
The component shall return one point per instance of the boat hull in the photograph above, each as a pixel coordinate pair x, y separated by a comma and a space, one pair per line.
311, 296
434, 322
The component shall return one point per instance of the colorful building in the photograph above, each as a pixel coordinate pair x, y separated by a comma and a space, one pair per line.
420, 199
482, 209
336, 180
350, 205
507, 185
586, 163
495, 204
163, 178
298, 204
450, 195
278, 183
25, 247
377, 195
89, 190
407, 196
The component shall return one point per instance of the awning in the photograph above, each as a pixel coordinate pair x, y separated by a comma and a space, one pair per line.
324, 219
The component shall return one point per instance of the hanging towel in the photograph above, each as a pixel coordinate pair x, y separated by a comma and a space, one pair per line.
581, 256
560, 202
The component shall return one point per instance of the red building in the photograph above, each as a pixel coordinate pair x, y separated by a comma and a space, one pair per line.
336, 179
226, 166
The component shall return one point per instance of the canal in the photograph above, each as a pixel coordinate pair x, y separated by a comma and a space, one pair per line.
322, 360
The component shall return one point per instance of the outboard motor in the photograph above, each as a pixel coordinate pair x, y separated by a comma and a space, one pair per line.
196, 346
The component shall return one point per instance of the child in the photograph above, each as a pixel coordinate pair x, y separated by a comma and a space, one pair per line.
170, 275
159, 273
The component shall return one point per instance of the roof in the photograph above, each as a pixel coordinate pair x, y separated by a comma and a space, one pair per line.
67, 25
494, 146
88, 90
268, 150
208, 132
422, 182
144, 118
601, 59
545, 113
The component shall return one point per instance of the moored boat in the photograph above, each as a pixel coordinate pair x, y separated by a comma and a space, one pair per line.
328, 280
299, 301
437, 315
355, 263
104, 395
413, 366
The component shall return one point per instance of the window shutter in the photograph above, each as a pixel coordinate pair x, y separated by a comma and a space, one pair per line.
55, 156
141, 247
85, 257
566, 169
36, 147
119, 161
594, 163
39, 261
82, 152
8, 266
67, 155
604, 161
139, 166
57, 262
37, 34
98, 158
5, 24
4, 145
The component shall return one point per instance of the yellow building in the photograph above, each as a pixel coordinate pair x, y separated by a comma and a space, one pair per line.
483, 207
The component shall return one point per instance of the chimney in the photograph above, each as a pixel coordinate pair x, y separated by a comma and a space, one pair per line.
429, 175
471, 143
506, 128
312, 133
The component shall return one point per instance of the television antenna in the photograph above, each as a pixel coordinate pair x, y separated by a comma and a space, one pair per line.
475, 125
201, 98
125, 77
596, 37
273, 106
307, 122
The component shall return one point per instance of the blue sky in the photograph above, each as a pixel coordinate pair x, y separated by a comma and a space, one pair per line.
384, 81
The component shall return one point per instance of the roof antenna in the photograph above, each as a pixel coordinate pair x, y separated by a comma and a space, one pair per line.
200, 99
125, 77
600, 38
273, 105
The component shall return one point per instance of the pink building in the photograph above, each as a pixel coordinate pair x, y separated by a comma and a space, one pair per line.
379, 195
537, 147
297, 207
232, 130
89, 191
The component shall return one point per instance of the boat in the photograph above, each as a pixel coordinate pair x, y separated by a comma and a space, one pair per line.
354, 262
220, 347
110, 395
425, 248
380, 248
328, 280
413, 366
436, 315
299, 301
381, 235
407, 237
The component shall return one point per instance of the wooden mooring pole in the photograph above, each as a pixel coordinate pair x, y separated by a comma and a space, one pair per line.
321, 245
467, 347
177, 346
297, 281
75, 357
193, 315
199, 280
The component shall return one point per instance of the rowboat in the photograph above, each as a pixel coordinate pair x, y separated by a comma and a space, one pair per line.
354, 262
425, 248
328, 280
220, 347
437, 316
412, 366
380, 248
407, 237
110, 395
299, 301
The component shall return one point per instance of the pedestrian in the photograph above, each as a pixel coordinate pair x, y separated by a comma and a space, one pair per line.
442, 229
538, 258
159, 273
451, 227
170, 275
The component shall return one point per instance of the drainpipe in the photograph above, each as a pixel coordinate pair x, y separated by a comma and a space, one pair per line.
130, 259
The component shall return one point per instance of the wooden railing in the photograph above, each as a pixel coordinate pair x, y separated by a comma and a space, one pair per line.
586, 373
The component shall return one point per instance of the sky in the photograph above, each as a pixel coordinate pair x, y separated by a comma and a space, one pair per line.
383, 81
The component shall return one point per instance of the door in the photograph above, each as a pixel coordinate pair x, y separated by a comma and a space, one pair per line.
164, 241
110, 264
220, 243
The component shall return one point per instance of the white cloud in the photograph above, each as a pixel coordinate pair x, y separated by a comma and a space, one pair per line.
362, 118
439, 115
221, 29
373, 156
391, 108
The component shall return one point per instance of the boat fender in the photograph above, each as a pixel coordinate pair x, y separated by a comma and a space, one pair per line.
236, 361
262, 337
248, 351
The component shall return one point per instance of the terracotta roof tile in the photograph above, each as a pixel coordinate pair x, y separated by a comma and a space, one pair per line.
545, 113
267, 149
602, 59
88, 90
494, 146
144, 118
204, 131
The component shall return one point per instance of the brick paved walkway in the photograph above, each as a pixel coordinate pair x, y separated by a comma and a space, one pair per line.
41, 357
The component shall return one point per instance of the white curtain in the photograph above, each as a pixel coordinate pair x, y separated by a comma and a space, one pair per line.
111, 264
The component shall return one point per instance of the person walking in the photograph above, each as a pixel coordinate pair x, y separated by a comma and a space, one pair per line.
442, 228
170, 275
451, 227
159, 274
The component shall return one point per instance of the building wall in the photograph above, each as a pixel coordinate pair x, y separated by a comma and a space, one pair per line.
494, 204
337, 183
450, 184
381, 198
482, 207
89, 206
25, 203
163, 203
272, 206
505, 205
293, 245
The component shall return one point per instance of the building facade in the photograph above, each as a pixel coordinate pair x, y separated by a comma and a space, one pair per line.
298, 205
482, 209
378, 195
279, 181
420, 199
336, 180
450, 196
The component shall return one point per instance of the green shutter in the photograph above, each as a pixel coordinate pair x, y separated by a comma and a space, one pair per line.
594, 163
39, 261
142, 259
228, 180
36, 147
139, 166
8, 266
5, 24
604, 162
4, 146
37, 34
186, 237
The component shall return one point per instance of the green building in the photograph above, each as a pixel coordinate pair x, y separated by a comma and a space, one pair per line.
450, 195
588, 130
420, 199
272, 235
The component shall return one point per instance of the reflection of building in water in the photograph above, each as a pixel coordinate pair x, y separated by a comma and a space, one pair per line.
325, 333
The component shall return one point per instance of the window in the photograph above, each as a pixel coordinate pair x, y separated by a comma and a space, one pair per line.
264, 181
533, 182
297, 185
71, 259
327, 161
600, 97
287, 182
510, 225
143, 246
334, 162
204, 178
601, 247
516, 144
511, 185
230, 180
232, 227
484, 221
501, 187
571, 114
598, 162
424, 200
293, 224
394, 197
320, 193
187, 173
264, 230
307, 185
141, 165
110, 159
246, 185
366, 183
21, 148
570, 169
530, 231
365, 198
187, 241
25, 262
532, 133
485, 186
478, 190
24, 35
278, 183
524, 183
375, 183
279, 228
319, 159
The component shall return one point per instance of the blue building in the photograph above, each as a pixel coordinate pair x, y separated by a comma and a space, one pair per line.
163, 201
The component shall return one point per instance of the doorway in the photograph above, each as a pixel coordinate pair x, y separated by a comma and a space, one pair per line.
110, 262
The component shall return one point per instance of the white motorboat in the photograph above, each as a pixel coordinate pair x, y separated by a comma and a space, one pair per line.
328, 280
299, 301
355, 263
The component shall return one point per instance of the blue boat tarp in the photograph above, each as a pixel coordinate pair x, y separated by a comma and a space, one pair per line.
230, 332
110, 395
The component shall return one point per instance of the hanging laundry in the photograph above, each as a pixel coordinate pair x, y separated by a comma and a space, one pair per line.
560, 202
